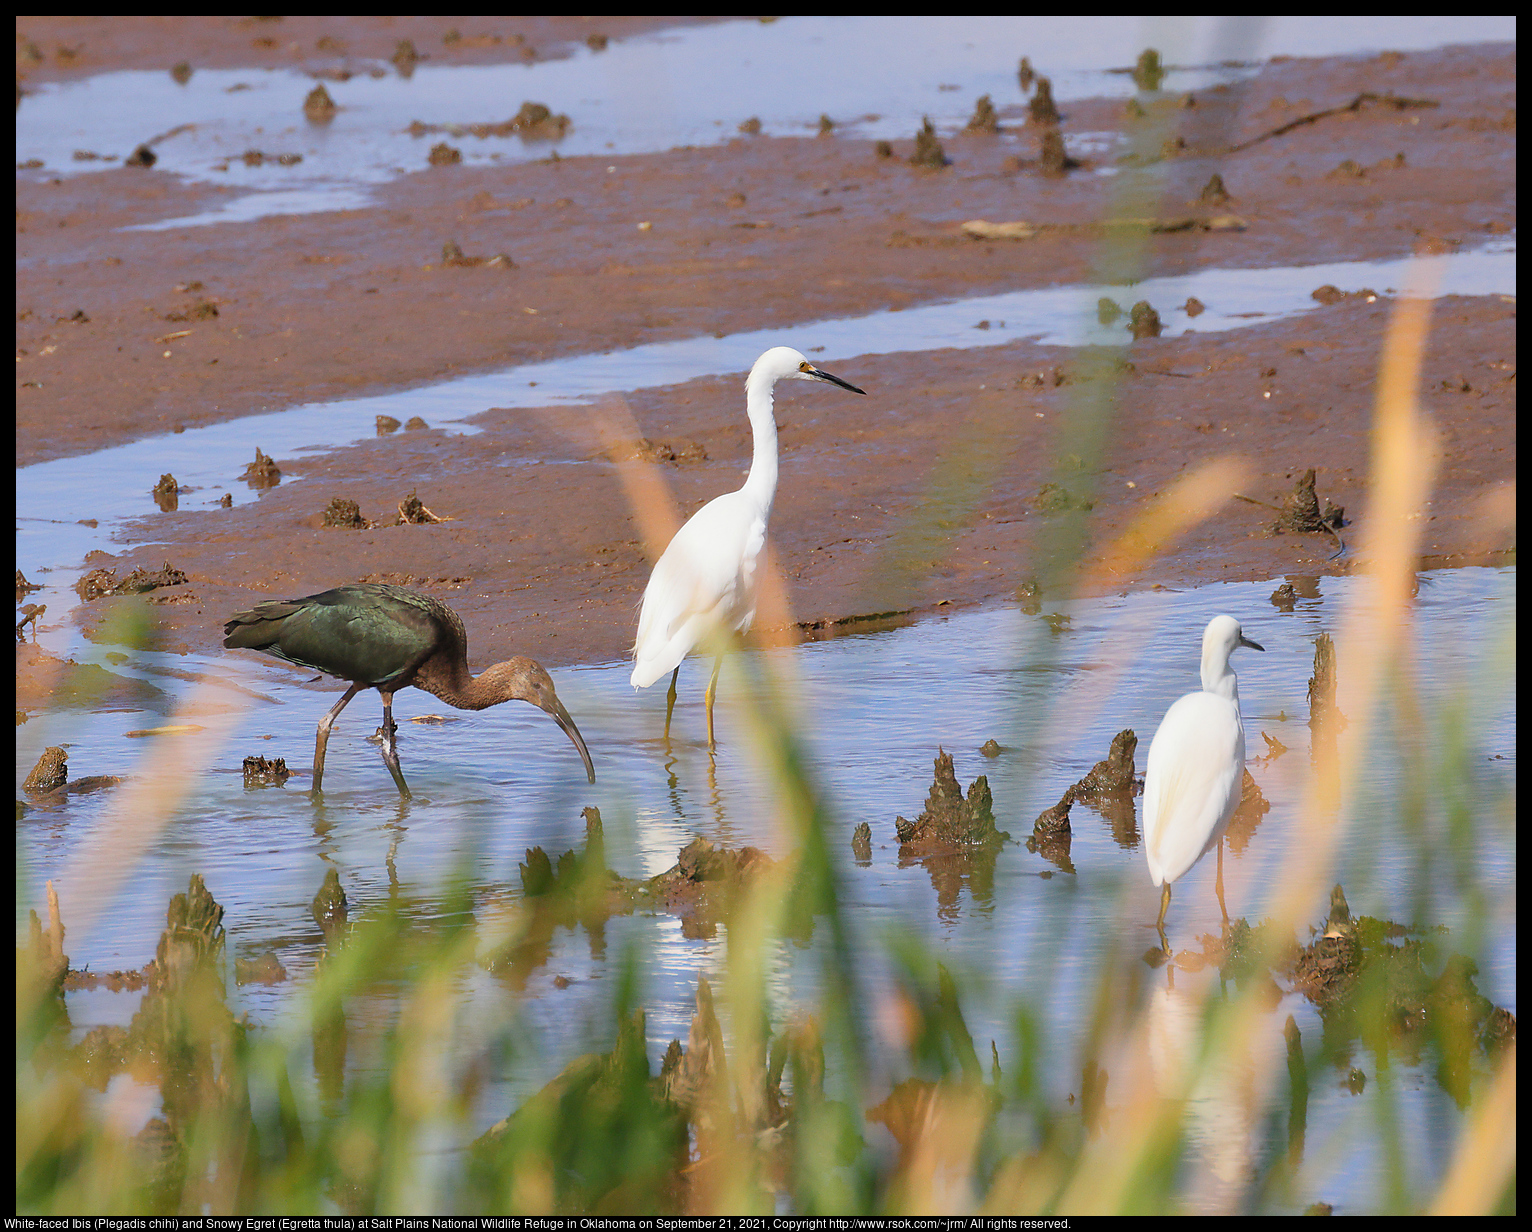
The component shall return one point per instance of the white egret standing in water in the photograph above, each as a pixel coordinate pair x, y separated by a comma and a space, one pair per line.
1196, 769
704, 586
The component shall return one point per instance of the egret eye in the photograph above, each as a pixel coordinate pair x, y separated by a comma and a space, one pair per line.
804, 367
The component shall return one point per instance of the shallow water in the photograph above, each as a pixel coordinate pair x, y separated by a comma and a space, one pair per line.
872, 710
874, 76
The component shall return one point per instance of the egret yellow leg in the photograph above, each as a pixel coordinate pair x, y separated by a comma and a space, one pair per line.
1160, 923
712, 691
390, 747
1218, 885
670, 699
322, 736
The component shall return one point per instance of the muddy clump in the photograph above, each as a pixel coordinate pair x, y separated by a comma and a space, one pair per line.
578, 888
344, 514
51, 771
405, 58
1193, 307
1024, 74
263, 472
950, 822
1331, 294
1326, 721
43, 963
703, 884
182, 1031
751, 127
167, 493
1114, 774
984, 119
415, 423
24, 587
99, 583
681, 453
1053, 159
1214, 192
532, 121
1300, 512
1108, 310
1148, 72
1056, 498
318, 106
143, 156
1040, 108
826, 126
861, 843
257, 158
413, 513
1388, 984
444, 155
928, 150
1108, 787
267, 969
1284, 596
386, 424
1144, 321
453, 256
329, 907
259, 772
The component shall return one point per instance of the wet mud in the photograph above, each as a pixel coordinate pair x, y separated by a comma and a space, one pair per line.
552, 560
49, 786
544, 554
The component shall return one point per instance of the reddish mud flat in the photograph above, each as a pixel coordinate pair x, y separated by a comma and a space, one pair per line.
543, 555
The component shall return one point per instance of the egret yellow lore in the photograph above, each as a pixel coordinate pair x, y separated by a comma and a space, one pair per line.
704, 587
1196, 769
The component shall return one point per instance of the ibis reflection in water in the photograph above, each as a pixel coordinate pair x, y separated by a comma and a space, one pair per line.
388, 638
704, 586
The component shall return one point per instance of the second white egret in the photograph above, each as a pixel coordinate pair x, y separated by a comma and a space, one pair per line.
1196, 768
704, 586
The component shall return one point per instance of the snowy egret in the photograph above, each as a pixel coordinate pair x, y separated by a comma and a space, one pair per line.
704, 586
1196, 768
389, 638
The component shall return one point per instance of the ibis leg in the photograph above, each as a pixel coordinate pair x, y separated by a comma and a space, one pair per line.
712, 691
1160, 923
390, 747
322, 737
1218, 885
670, 699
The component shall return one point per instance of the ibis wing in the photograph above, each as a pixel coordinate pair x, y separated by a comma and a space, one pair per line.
367, 634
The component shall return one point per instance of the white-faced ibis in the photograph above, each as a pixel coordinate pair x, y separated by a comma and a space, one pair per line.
703, 587
389, 638
1196, 769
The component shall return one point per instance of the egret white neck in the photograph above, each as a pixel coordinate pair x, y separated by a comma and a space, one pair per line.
761, 485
